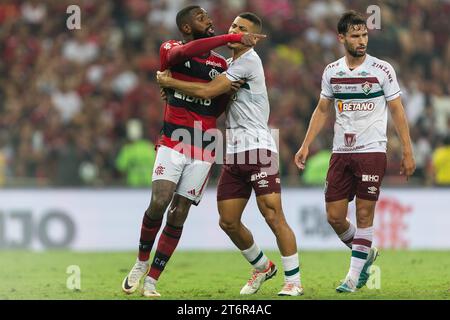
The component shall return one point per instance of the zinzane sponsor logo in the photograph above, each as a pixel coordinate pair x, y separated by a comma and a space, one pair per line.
355, 106
370, 178
184, 97
258, 176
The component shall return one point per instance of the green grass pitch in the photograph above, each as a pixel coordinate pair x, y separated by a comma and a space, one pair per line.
219, 275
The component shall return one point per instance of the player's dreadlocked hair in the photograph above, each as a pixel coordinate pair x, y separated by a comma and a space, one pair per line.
253, 18
348, 19
183, 14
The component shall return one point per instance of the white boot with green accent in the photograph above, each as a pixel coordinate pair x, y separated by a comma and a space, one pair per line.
364, 276
349, 285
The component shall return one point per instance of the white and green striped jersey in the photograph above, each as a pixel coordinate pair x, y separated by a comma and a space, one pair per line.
360, 100
248, 114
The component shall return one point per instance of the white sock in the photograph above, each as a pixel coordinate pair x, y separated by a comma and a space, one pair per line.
154, 281
256, 257
291, 269
362, 242
347, 236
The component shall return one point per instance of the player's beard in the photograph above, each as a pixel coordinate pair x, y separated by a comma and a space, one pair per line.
354, 52
202, 35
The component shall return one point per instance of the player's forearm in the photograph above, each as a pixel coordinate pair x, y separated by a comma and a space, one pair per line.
195, 89
401, 125
198, 47
316, 124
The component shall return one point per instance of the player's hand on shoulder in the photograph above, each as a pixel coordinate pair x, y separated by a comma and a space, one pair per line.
162, 77
250, 39
300, 157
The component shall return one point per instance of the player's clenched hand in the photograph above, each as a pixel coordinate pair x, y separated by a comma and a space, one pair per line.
407, 165
300, 157
250, 39
163, 77
163, 94
235, 86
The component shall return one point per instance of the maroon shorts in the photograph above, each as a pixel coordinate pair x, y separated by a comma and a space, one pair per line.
254, 169
353, 174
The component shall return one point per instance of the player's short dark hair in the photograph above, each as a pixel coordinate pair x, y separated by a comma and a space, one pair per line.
348, 19
252, 18
183, 15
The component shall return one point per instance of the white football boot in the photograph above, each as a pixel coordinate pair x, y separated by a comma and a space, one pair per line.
133, 279
149, 288
258, 277
291, 289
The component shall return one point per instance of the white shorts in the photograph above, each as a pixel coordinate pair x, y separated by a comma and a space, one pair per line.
190, 175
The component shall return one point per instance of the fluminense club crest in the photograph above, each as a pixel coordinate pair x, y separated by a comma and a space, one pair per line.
366, 87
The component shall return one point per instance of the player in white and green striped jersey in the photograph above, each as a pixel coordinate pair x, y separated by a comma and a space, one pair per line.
361, 88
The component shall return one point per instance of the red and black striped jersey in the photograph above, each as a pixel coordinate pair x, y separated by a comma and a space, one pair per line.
187, 119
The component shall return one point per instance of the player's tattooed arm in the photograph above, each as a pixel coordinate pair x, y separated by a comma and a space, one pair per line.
407, 165
216, 87
318, 120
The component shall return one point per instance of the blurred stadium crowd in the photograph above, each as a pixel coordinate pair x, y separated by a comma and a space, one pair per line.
72, 102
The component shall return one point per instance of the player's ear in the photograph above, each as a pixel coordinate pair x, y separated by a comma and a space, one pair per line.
186, 28
341, 37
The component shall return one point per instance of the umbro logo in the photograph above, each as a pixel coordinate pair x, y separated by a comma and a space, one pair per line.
192, 192
263, 183
372, 190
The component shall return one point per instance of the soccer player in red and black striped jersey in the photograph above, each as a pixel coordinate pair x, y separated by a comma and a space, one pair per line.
186, 148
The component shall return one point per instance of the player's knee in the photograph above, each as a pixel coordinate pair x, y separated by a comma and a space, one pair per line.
159, 203
363, 221
364, 217
274, 221
177, 215
335, 221
229, 226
